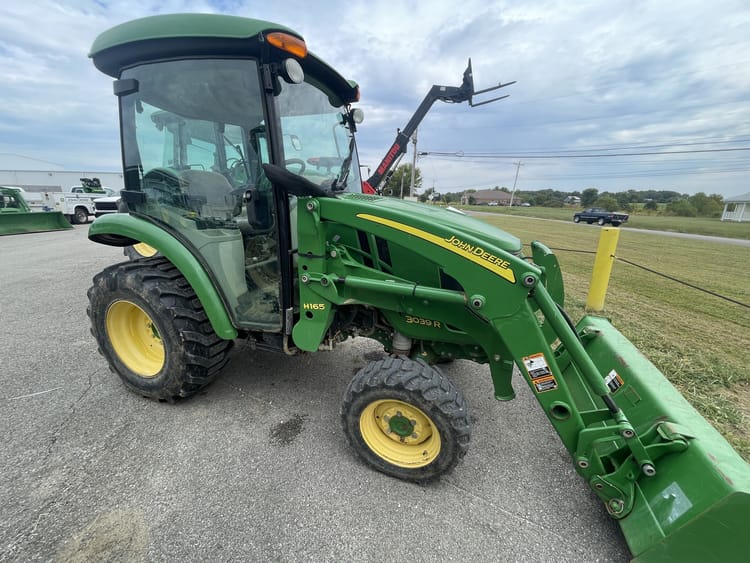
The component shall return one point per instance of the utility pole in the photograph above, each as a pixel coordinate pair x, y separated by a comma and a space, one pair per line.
512, 193
413, 163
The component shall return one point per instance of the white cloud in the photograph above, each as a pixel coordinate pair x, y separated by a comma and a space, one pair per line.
589, 74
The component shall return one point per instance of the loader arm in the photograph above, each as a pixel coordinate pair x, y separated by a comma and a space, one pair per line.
655, 463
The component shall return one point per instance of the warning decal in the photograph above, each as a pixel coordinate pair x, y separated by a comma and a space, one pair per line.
613, 381
545, 384
539, 372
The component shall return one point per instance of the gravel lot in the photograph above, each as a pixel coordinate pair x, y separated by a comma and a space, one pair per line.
256, 468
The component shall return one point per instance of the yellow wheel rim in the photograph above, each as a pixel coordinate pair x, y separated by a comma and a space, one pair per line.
135, 338
400, 433
144, 249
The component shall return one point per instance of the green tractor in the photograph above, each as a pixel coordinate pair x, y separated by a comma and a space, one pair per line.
16, 216
241, 173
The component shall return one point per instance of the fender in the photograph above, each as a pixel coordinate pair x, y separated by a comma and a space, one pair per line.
120, 229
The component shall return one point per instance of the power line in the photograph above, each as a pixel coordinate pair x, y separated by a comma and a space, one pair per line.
461, 154
645, 174
636, 147
689, 141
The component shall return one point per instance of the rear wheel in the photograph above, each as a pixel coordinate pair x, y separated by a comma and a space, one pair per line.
406, 419
80, 216
600, 221
139, 250
152, 330
576, 219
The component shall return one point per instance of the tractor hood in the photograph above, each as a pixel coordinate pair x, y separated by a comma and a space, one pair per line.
453, 226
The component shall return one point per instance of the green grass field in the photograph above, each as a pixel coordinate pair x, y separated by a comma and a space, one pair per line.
696, 225
700, 342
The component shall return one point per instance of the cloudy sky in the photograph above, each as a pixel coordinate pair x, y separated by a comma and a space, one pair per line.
658, 91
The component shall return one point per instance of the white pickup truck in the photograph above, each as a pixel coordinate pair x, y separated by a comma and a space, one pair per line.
78, 204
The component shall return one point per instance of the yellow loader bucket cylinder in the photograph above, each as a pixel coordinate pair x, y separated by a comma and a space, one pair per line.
696, 505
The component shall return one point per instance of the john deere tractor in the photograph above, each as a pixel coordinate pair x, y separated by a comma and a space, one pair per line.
241, 172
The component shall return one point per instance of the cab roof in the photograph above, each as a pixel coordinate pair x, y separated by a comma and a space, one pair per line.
206, 35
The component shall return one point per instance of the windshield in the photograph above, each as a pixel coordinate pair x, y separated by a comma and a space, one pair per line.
318, 143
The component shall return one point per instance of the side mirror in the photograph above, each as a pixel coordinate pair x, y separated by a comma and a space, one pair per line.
258, 208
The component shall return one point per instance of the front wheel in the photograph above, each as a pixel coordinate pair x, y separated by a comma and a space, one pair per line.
406, 419
153, 331
80, 216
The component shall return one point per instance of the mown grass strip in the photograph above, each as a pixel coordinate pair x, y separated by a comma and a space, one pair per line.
700, 342
695, 225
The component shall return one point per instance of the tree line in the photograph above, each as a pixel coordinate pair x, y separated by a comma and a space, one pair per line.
668, 202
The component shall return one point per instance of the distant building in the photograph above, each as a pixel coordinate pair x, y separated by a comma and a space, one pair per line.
737, 208
489, 197
41, 176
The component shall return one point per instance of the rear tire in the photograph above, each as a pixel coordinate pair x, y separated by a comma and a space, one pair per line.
406, 419
139, 251
153, 331
576, 219
600, 222
80, 216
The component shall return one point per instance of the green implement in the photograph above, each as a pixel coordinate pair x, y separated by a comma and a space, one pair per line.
695, 503
16, 216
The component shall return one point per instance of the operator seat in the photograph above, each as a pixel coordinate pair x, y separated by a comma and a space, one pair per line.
213, 191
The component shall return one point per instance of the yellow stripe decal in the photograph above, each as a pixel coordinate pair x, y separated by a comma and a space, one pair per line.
471, 252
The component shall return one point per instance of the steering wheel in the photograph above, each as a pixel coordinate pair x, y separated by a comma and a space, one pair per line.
236, 171
297, 161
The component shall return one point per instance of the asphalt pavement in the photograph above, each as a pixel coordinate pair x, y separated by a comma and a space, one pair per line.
256, 467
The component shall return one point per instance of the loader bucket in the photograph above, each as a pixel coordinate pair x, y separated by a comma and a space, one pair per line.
30, 222
696, 507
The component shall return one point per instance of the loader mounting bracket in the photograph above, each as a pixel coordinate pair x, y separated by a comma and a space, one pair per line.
617, 487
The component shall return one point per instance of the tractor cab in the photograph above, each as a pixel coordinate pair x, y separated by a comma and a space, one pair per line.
203, 118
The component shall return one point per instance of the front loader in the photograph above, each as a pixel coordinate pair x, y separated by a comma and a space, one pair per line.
241, 172
16, 217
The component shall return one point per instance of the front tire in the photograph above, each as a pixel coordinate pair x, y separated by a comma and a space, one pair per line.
153, 331
80, 216
406, 419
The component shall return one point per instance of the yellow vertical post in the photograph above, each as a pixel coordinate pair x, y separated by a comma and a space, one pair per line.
605, 258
